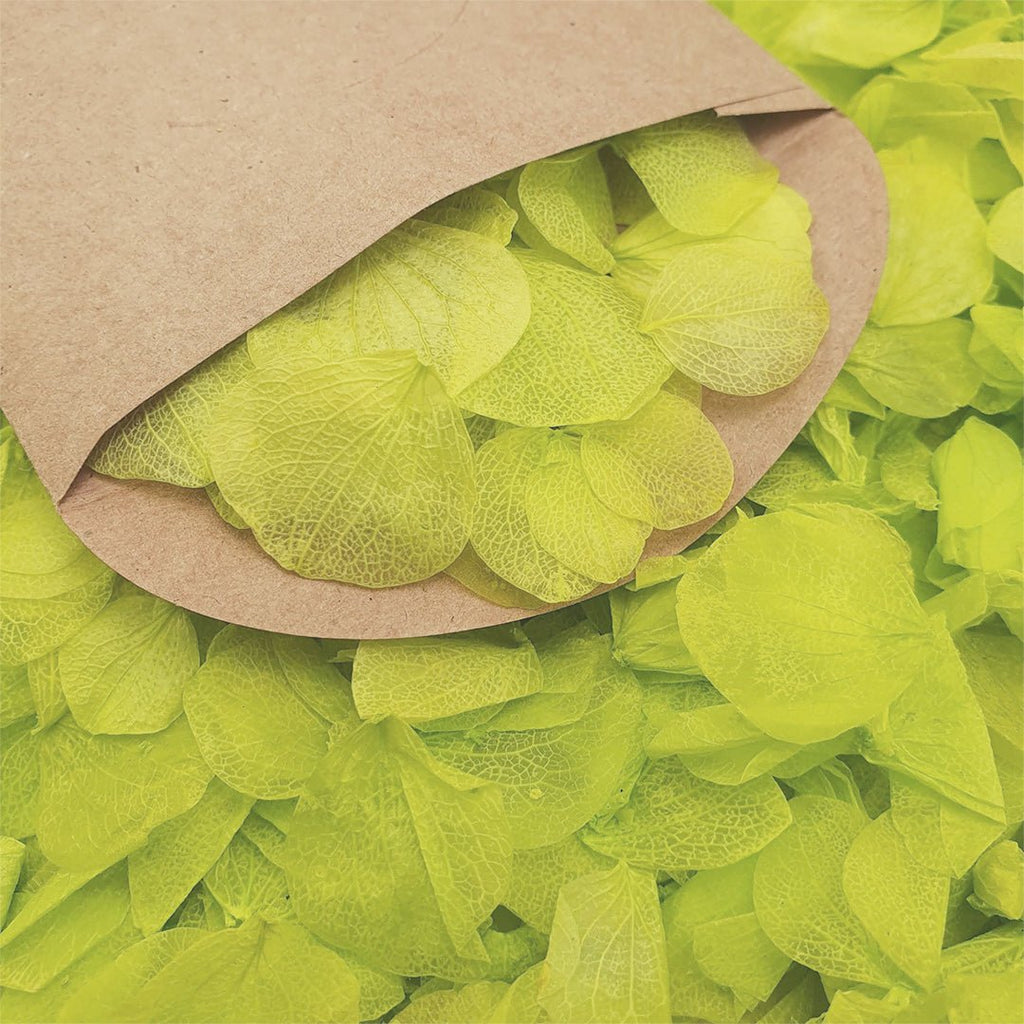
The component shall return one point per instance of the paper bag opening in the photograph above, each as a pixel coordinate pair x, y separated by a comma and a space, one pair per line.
404, 139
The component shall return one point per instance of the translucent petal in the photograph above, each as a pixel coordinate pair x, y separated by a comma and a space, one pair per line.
581, 359
738, 315
165, 438
664, 465
359, 470
456, 298
701, 171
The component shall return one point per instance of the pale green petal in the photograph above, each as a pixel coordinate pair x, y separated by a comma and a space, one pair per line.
259, 973
539, 874
179, 852
49, 1003
51, 585
475, 209
861, 33
389, 505
645, 631
979, 478
556, 758
223, 509
456, 298
737, 315
19, 769
904, 463
938, 263
261, 707
994, 665
396, 857
717, 743
643, 250
900, 902
165, 438
572, 523
566, 199
607, 958
997, 346
101, 796
1006, 229
12, 856
707, 897
47, 692
999, 881
665, 465
246, 881
935, 732
424, 678
581, 359
106, 996
473, 1004
67, 920
470, 570
984, 55
701, 171
922, 370
502, 535
830, 431
891, 110
792, 646
734, 952
939, 834
16, 701
799, 899
378, 992
676, 822
630, 201
125, 671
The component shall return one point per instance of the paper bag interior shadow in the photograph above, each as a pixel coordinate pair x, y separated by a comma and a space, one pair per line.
175, 173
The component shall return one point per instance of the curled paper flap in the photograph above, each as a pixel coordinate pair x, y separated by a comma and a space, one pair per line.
175, 173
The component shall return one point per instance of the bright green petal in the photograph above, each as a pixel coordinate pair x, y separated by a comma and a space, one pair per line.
358, 470
581, 359
165, 438
701, 171
261, 708
664, 465
456, 298
738, 315
125, 671
607, 958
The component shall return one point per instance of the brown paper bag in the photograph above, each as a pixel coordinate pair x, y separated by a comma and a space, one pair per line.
174, 173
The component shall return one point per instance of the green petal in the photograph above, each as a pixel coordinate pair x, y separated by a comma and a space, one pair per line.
665, 465
938, 262
261, 708
165, 438
581, 359
792, 646
738, 315
456, 298
389, 505
125, 671
566, 200
607, 958
370, 861
425, 678
701, 171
